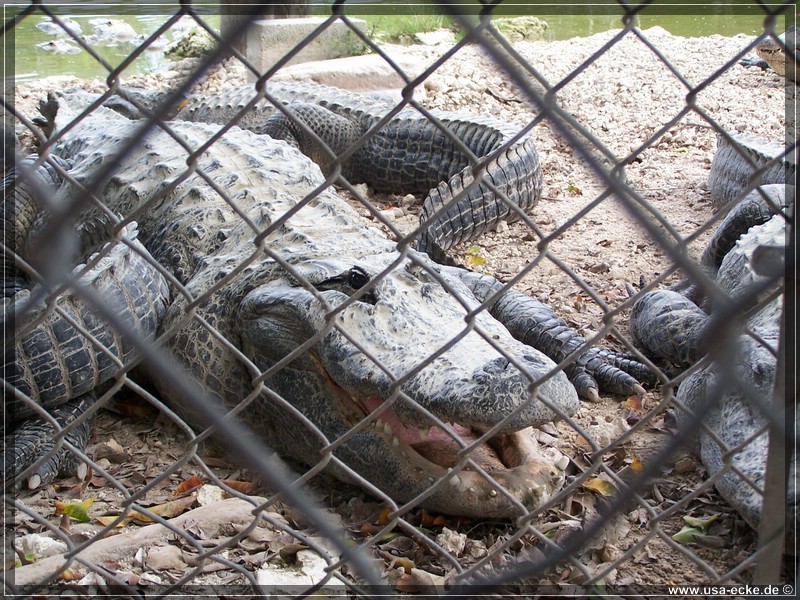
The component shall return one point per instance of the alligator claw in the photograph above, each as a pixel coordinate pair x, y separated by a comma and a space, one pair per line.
535, 324
35, 437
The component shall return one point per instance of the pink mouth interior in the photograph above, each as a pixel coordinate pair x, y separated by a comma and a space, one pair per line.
439, 447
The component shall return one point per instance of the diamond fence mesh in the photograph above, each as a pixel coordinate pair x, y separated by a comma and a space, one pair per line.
390, 428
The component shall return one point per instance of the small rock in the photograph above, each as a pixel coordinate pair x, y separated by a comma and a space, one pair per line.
685, 464
40, 546
362, 189
111, 450
433, 38
408, 200
452, 541
388, 215
501, 227
209, 494
475, 549
610, 553
601, 267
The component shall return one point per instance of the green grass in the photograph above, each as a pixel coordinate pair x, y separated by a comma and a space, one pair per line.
401, 28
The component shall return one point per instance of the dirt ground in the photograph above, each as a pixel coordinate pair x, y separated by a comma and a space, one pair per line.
623, 98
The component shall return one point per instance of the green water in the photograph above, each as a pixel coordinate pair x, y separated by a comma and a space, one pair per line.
31, 62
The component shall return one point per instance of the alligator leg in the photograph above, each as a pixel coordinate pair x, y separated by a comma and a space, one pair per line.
535, 324
666, 324
60, 356
759, 63
35, 437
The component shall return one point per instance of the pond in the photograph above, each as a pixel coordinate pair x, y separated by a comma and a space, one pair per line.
40, 53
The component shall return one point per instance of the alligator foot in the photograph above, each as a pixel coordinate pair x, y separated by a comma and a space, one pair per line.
535, 324
35, 438
755, 62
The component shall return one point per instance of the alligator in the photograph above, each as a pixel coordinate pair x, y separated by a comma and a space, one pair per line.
336, 333
780, 56
678, 325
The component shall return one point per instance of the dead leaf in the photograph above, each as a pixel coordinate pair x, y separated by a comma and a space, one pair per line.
71, 574
417, 581
167, 510
634, 403
75, 510
574, 190
687, 535
428, 520
601, 486
243, 487
187, 485
406, 563
289, 552
636, 465
703, 524
475, 261
383, 517
108, 520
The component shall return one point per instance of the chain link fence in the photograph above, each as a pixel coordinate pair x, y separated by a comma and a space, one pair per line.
220, 270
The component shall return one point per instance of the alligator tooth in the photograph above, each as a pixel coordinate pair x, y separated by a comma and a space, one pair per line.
387, 429
424, 433
431, 479
535, 490
493, 493
395, 441
378, 424
562, 463
471, 490
455, 480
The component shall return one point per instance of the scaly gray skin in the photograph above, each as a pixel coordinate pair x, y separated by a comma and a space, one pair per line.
668, 325
430, 164
400, 320
735, 164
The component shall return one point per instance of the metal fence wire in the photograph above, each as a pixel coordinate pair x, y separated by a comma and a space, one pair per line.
173, 256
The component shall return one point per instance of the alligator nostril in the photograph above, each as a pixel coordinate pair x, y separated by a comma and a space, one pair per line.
498, 365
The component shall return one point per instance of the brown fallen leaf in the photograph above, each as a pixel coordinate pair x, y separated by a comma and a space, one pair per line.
289, 552
187, 485
634, 403
109, 519
243, 487
167, 510
404, 562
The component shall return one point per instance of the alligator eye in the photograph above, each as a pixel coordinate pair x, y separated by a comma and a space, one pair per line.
349, 282
357, 278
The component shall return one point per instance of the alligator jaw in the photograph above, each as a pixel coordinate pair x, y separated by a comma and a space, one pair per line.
429, 455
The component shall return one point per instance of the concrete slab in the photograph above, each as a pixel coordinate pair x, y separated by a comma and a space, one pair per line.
364, 73
270, 40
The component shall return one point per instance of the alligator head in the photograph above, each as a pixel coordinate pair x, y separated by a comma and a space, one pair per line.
355, 343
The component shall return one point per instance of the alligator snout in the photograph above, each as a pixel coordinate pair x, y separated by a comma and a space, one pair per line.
421, 406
